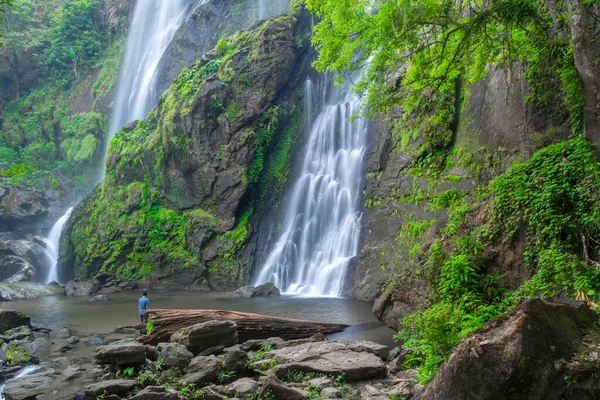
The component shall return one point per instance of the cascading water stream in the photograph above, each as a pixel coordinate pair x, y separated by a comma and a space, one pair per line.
153, 26
23, 372
53, 245
321, 226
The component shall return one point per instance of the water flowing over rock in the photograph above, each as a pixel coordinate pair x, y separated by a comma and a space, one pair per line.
53, 245
27, 387
153, 26
321, 225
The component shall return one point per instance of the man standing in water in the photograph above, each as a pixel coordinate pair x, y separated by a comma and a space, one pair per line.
144, 306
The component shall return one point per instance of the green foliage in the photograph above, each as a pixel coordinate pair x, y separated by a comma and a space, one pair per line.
17, 356
77, 38
224, 375
15, 171
149, 326
440, 42
551, 200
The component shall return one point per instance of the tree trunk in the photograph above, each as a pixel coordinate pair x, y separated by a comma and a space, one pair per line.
250, 326
587, 68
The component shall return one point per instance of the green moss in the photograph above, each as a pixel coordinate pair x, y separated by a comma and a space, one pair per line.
552, 197
17, 356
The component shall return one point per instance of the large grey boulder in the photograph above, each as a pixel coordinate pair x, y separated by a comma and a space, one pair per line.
18, 333
236, 361
114, 386
81, 288
27, 387
174, 355
123, 352
540, 350
356, 360
18, 269
242, 388
207, 334
29, 290
12, 319
99, 298
156, 393
266, 290
275, 388
203, 369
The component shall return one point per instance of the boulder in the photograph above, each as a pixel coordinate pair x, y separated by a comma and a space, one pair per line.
236, 361
21, 269
123, 352
27, 387
97, 341
520, 355
331, 393
114, 386
401, 390
29, 290
276, 389
203, 369
41, 328
356, 360
319, 337
257, 344
19, 333
64, 333
207, 334
266, 290
81, 288
156, 393
242, 388
104, 278
12, 319
100, 297
152, 353
174, 355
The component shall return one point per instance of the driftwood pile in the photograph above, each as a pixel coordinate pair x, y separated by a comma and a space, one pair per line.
249, 326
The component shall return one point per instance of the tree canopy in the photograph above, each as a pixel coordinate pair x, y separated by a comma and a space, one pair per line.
413, 51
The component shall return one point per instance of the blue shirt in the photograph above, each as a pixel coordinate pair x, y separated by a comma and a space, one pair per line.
143, 304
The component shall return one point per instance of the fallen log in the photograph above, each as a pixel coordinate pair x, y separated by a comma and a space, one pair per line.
249, 326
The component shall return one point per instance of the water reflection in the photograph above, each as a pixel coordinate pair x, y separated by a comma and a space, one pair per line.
96, 318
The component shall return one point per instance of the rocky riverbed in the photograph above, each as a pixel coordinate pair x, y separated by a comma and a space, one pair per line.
522, 355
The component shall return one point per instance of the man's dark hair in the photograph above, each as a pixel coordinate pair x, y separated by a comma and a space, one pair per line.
145, 293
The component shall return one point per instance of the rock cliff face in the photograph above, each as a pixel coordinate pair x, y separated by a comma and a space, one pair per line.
182, 187
493, 128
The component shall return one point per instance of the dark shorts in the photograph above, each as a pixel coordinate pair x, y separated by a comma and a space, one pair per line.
143, 318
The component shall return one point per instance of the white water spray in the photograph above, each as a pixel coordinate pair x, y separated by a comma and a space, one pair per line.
153, 26
321, 226
53, 245
22, 372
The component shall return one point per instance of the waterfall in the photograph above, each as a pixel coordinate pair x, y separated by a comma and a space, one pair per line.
321, 224
153, 26
21, 373
53, 245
